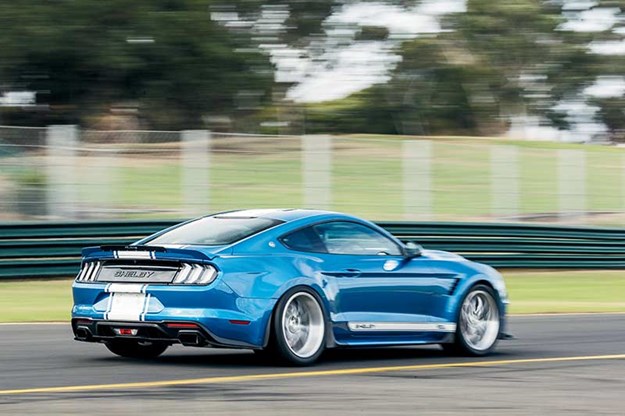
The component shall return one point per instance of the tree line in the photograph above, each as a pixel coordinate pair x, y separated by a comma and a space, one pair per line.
166, 64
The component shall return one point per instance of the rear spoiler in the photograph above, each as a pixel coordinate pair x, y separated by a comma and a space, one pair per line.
132, 248
141, 252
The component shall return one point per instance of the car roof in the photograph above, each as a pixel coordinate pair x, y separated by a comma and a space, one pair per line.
282, 214
293, 220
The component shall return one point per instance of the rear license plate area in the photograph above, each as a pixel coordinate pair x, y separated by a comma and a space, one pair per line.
126, 307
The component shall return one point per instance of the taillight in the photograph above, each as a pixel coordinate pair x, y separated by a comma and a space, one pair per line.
181, 325
89, 271
239, 322
195, 274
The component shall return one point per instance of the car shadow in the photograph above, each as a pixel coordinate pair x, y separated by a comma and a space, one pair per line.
351, 357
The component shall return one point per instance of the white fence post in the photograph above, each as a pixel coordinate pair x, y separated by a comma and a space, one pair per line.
623, 184
504, 177
100, 175
417, 167
61, 193
195, 155
317, 171
571, 183
106, 163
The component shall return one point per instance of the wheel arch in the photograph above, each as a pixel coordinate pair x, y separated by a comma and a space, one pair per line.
318, 293
476, 281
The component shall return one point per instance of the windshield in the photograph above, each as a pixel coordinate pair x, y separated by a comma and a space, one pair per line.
214, 231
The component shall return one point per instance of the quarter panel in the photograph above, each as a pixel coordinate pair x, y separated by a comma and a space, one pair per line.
263, 276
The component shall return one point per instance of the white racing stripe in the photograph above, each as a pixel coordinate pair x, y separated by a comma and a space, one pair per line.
108, 307
126, 288
128, 302
402, 326
126, 306
146, 305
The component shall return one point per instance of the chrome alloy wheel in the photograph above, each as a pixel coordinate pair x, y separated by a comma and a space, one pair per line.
303, 325
479, 320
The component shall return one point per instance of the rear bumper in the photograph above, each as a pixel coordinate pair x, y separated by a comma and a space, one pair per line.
191, 334
223, 318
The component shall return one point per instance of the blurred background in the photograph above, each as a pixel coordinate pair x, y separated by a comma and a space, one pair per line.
460, 110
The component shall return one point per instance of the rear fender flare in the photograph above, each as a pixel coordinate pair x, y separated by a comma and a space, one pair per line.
318, 294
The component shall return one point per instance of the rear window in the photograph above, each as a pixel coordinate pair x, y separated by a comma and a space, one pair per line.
214, 231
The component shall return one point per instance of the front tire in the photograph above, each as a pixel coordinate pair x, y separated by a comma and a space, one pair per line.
478, 323
136, 349
299, 328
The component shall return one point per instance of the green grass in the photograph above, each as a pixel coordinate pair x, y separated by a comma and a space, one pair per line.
566, 291
35, 300
530, 292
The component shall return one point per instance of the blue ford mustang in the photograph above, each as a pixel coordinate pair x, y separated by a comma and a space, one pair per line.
287, 283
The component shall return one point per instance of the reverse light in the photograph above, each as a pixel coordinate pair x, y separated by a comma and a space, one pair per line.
195, 274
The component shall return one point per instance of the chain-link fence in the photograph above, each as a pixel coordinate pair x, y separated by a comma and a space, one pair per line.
61, 172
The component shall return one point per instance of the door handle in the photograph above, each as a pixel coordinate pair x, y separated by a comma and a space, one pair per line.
344, 273
350, 273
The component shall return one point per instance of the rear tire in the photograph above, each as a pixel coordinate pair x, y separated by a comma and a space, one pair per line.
299, 328
478, 323
136, 349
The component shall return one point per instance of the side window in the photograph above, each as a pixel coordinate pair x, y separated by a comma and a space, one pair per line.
342, 237
305, 239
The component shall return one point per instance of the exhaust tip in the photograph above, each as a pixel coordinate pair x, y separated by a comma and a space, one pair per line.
83, 333
191, 338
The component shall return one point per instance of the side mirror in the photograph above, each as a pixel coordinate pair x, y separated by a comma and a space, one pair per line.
412, 250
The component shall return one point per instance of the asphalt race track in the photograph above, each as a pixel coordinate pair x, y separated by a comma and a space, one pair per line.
564, 364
